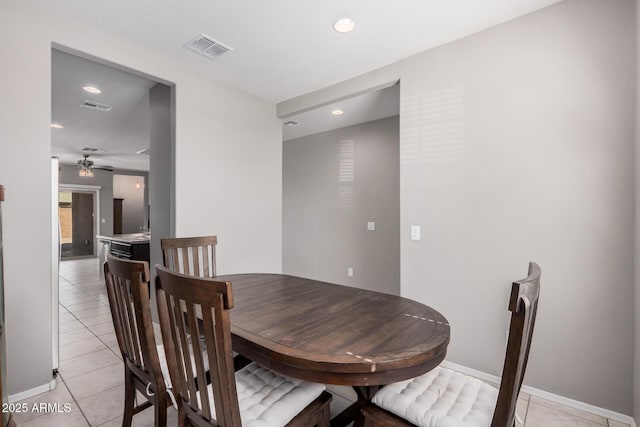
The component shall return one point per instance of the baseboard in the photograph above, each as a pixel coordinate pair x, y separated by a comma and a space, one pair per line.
576, 404
32, 391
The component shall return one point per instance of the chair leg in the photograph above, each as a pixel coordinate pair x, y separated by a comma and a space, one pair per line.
326, 416
160, 409
129, 399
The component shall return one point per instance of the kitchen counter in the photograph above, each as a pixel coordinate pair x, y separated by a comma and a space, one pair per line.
133, 246
129, 238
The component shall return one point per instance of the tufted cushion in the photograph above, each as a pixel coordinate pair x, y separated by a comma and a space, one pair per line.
440, 398
268, 399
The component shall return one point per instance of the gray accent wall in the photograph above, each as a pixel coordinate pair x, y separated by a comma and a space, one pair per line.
162, 174
333, 184
131, 189
517, 145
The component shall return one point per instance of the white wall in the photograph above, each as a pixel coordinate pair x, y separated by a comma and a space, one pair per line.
229, 177
333, 184
517, 144
228, 170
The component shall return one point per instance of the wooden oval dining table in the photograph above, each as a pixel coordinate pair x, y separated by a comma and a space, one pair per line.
334, 334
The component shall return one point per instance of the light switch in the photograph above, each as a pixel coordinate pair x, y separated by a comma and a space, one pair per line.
415, 232
102, 220
371, 226
350, 271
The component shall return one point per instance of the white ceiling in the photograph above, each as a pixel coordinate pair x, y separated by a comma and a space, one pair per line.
363, 108
282, 48
119, 132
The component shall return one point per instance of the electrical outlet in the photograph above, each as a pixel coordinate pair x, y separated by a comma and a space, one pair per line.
415, 232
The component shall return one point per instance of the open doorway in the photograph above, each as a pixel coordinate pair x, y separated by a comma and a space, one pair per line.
106, 120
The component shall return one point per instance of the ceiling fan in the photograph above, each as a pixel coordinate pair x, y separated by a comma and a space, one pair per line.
87, 166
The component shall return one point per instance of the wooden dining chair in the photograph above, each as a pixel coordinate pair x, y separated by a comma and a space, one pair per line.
443, 397
253, 396
128, 292
194, 256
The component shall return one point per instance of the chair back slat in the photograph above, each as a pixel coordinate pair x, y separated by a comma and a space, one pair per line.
128, 293
523, 305
206, 333
183, 350
193, 256
197, 353
207, 254
132, 327
127, 330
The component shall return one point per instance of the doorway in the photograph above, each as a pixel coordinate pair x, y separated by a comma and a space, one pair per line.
125, 125
77, 215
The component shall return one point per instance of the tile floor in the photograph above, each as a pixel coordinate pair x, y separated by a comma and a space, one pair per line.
91, 371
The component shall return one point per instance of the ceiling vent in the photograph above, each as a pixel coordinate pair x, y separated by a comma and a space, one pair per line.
92, 105
207, 46
292, 123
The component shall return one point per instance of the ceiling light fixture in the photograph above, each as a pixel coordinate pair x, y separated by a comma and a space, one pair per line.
337, 112
344, 25
86, 172
86, 167
92, 89
57, 126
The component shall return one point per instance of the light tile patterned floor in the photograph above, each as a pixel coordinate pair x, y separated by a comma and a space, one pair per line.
91, 370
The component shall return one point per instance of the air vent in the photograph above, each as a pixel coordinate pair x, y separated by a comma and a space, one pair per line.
96, 106
207, 46
292, 123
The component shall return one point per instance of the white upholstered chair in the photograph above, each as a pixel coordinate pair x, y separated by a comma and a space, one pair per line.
253, 396
443, 398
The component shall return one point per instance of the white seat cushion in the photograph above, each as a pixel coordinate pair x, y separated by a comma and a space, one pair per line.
268, 399
165, 368
440, 398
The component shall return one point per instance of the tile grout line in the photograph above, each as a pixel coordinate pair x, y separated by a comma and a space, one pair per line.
74, 399
526, 412
568, 411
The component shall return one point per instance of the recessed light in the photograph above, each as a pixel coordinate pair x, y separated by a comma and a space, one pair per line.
337, 112
57, 126
92, 89
344, 25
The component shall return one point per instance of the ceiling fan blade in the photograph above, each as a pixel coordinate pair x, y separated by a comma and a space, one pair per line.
103, 168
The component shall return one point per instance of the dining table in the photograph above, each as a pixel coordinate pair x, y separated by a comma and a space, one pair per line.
334, 334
